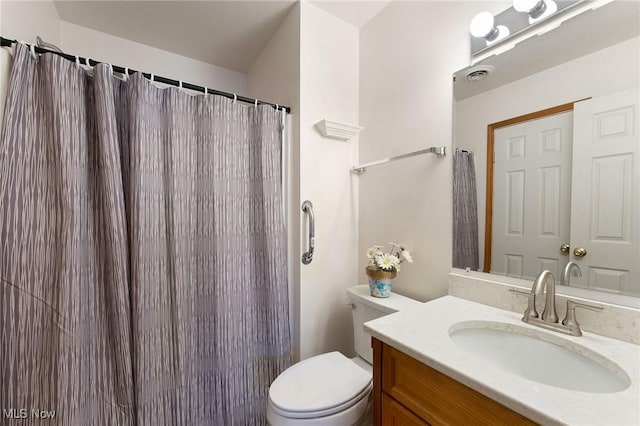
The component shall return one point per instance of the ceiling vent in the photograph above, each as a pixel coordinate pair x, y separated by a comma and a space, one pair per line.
478, 73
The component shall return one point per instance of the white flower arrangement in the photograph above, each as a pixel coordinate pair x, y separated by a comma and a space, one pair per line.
390, 261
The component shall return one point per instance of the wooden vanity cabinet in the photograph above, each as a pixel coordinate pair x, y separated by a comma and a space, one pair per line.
407, 392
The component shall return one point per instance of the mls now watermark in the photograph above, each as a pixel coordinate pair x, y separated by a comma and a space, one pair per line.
23, 413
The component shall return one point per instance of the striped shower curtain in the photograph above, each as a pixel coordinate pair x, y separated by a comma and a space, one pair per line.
143, 252
465, 212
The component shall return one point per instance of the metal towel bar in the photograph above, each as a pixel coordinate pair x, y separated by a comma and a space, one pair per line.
439, 151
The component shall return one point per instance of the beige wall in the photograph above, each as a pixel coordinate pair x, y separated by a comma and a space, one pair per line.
407, 57
328, 90
24, 20
100, 46
603, 72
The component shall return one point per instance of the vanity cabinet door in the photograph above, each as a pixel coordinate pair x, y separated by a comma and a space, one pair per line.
394, 414
435, 397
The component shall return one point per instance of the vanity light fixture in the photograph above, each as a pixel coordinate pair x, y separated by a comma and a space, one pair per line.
525, 19
483, 26
536, 9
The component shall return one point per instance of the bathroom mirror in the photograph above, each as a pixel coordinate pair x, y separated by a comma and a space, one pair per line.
589, 59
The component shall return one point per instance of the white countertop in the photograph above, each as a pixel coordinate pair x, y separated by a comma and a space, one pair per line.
423, 333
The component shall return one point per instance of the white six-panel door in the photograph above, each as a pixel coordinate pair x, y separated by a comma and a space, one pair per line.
606, 210
531, 196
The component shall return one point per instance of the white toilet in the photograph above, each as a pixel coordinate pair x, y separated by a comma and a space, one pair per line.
331, 389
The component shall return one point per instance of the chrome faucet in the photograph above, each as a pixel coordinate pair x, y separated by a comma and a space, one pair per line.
570, 268
545, 282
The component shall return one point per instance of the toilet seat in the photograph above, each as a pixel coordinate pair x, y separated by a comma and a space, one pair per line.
319, 386
323, 413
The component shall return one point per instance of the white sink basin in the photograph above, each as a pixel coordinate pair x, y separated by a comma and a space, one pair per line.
540, 357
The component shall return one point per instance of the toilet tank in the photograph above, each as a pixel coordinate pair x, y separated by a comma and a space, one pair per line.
366, 308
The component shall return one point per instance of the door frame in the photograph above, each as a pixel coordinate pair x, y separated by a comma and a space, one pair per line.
491, 128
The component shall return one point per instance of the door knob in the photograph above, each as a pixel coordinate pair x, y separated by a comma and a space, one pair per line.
564, 249
580, 252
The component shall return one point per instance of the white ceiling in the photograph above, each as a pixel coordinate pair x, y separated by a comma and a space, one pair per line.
229, 34
356, 13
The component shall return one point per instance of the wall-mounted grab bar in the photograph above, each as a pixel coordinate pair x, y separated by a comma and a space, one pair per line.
439, 151
307, 256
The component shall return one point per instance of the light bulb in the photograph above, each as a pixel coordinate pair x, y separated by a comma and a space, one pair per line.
525, 5
550, 9
502, 33
481, 25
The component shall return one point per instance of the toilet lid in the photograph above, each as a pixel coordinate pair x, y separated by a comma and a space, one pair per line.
319, 384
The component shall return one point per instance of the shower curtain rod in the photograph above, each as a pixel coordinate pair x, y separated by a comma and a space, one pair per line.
5, 42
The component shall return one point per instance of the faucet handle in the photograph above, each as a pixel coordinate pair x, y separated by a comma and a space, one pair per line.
570, 319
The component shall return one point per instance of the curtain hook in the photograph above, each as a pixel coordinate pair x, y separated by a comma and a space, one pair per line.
126, 73
152, 77
88, 63
179, 84
77, 62
255, 104
277, 107
206, 91
235, 98
32, 48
